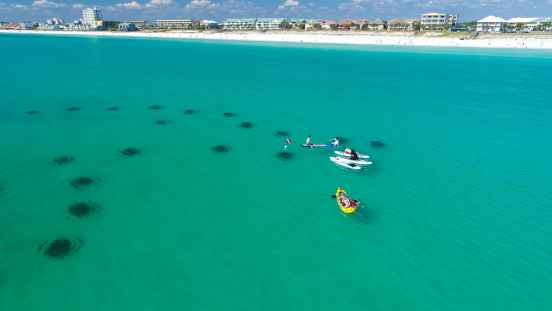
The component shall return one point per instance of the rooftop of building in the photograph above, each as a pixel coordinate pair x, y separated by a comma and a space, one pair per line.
523, 20
492, 19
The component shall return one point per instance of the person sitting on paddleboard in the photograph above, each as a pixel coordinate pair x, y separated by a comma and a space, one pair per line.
354, 155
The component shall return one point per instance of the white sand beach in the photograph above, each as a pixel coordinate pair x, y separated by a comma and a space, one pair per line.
509, 41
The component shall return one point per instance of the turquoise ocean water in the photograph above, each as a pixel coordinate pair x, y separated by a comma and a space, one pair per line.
457, 207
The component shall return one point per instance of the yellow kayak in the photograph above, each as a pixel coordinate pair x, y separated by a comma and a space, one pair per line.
346, 204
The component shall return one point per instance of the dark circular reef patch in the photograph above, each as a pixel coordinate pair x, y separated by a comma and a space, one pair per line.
60, 247
82, 182
31, 112
246, 125
82, 209
131, 151
190, 111
377, 144
221, 148
155, 107
73, 108
63, 160
161, 122
284, 155
229, 114
282, 134
113, 108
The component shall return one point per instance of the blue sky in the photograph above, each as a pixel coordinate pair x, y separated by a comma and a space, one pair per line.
12, 10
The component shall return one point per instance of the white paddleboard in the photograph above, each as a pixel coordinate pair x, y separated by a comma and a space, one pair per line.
357, 162
343, 154
315, 146
339, 161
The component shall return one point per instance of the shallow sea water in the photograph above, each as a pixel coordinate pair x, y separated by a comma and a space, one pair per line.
456, 209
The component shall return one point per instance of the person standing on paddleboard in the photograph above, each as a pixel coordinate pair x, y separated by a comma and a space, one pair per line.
287, 143
308, 142
335, 142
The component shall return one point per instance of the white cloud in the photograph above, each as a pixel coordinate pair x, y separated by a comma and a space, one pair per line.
201, 5
289, 4
78, 6
352, 5
133, 5
47, 4
158, 3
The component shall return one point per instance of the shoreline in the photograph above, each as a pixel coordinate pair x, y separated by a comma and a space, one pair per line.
346, 38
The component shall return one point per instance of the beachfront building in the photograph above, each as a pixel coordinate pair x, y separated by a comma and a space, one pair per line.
328, 25
51, 27
522, 24
437, 21
545, 24
239, 24
173, 24
401, 24
110, 25
54, 21
76, 26
208, 24
359, 24
295, 24
125, 27
92, 18
345, 24
138, 23
8, 26
269, 24
312, 24
491, 24
26, 26
375, 25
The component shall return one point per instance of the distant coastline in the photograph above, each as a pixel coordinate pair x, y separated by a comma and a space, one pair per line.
497, 41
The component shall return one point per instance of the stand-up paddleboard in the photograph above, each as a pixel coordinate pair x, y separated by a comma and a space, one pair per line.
339, 161
357, 162
351, 161
315, 146
346, 154
346, 205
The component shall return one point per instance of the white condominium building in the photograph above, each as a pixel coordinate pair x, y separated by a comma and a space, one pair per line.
92, 17
438, 21
265, 24
178, 24
262, 24
239, 24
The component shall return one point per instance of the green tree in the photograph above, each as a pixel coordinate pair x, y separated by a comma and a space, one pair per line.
545, 26
286, 25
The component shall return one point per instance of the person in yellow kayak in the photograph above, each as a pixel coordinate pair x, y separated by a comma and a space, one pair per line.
346, 204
